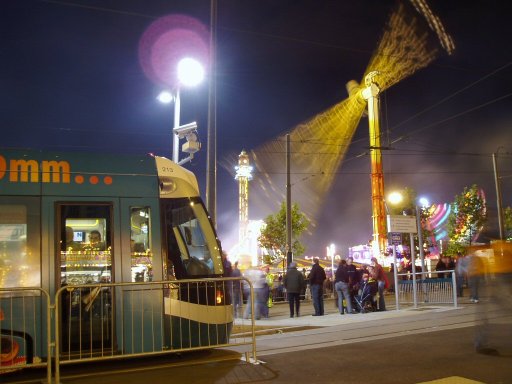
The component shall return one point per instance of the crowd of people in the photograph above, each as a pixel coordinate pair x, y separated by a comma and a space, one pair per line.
349, 284
357, 289
354, 288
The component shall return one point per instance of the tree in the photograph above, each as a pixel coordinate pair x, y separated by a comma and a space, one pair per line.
507, 225
467, 218
273, 235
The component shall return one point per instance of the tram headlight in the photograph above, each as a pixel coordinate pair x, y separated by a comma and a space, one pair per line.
219, 297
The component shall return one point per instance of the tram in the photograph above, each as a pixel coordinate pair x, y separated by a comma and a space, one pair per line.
68, 220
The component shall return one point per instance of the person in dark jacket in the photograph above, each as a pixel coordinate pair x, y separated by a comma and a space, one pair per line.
294, 283
353, 277
378, 274
316, 281
341, 284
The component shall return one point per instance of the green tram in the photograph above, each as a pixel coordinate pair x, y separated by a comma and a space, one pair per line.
77, 219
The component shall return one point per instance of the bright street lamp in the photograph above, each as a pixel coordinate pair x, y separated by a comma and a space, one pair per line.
190, 73
165, 97
395, 198
424, 203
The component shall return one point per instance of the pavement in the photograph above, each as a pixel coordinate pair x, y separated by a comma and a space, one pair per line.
428, 344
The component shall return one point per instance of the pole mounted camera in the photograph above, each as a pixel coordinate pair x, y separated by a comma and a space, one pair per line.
183, 130
192, 145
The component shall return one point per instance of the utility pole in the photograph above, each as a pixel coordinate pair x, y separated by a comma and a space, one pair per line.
211, 145
498, 195
289, 254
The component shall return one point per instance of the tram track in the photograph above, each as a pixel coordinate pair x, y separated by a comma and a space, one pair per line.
375, 329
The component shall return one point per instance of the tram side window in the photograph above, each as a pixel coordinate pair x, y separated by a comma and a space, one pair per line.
85, 256
142, 257
20, 264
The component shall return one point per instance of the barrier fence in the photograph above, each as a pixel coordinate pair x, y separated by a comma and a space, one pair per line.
121, 320
415, 289
25, 322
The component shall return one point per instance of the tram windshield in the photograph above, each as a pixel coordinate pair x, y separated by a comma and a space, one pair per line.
192, 244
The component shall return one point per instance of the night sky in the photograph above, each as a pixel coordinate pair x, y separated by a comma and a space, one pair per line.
71, 78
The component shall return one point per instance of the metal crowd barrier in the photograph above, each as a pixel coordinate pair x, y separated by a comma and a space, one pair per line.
25, 322
415, 289
279, 294
120, 320
125, 320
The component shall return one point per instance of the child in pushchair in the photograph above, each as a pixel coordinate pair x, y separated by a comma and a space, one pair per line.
365, 298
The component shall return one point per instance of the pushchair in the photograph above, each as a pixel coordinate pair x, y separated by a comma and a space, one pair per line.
365, 298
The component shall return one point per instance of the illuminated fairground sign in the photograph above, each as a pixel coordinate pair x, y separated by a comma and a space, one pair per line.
361, 253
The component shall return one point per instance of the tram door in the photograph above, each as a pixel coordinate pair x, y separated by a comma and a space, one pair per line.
139, 310
85, 257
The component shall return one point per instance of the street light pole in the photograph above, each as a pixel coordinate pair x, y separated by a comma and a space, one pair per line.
175, 138
420, 239
289, 247
190, 73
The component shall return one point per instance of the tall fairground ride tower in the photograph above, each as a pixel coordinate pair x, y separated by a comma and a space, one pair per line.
243, 175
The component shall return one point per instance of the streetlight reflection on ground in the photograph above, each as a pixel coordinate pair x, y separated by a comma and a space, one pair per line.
190, 73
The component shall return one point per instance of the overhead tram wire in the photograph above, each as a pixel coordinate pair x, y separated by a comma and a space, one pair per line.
452, 117
453, 95
101, 9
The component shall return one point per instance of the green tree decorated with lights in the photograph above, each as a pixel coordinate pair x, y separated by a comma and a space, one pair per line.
273, 235
468, 216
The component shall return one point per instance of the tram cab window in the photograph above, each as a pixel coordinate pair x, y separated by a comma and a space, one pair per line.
20, 264
192, 240
140, 236
85, 245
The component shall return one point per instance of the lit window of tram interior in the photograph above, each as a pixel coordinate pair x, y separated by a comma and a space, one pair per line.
196, 241
142, 258
86, 256
19, 264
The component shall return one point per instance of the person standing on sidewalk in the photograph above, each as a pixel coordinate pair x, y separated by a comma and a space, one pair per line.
461, 272
294, 283
353, 276
316, 282
341, 284
236, 297
475, 271
380, 276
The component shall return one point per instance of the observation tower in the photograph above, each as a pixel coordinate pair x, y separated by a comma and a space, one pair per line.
243, 175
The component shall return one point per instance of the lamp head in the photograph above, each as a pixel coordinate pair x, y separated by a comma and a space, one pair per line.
423, 202
190, 72
395, 198
165, 97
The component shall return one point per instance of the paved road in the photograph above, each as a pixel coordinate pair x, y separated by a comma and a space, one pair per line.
409, 346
